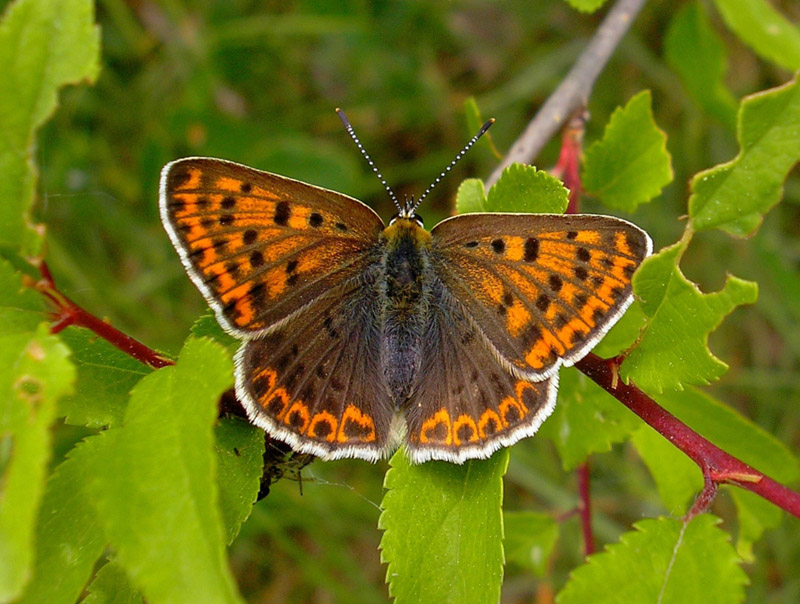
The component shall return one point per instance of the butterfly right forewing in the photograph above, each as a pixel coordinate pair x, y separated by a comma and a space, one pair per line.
543, 288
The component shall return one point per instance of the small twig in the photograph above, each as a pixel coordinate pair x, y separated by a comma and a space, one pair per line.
568, 167
66, 312
718, 467
573, 92
568, 170
585, 508
564, 516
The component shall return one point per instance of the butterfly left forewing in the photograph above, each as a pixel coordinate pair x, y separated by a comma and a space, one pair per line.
544, 289
261, 246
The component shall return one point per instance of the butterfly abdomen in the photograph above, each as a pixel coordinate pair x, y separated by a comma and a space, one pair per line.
405, 303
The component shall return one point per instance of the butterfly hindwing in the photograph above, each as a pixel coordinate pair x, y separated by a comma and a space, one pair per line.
261, 246
470, 403
315, 382
544, 289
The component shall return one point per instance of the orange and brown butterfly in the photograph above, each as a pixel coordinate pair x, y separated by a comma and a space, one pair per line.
360, 337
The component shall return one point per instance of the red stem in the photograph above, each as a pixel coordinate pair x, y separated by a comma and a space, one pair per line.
585, 507
66, 313
718, 466
567, 167
568, 170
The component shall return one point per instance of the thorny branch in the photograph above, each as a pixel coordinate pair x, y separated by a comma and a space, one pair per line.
718, 466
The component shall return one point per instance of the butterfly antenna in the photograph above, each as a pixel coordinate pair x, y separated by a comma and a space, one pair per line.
352, 134
444, 172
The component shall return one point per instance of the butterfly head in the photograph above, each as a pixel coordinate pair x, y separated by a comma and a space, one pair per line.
407, 224
408, 211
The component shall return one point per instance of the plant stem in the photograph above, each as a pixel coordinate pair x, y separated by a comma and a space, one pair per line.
66, 312
568, 167
718, 467
585, 507
573, 92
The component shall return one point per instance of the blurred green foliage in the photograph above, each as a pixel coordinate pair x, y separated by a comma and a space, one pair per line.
257, 83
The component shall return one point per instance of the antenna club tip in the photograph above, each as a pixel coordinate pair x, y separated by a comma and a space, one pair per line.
338, 110
342, 117
486, 126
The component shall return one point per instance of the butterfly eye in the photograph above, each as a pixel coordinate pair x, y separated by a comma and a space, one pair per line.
416, 218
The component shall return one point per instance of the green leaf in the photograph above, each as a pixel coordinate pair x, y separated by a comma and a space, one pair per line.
586, 6
44, 45
111, 586
586, 420
756, 515
523, 188
106, 376
530, 539
665, 561
240, 462
734, 196
69, 536
443, 530
764, 30
697, 54
677, 477
673, 349
21, 308
474, 122
35, 372
630, 165
624, 333
156, 490
473, 114
207, 326
471, 196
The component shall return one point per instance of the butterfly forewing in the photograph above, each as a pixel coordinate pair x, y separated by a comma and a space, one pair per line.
261, 246
544, 289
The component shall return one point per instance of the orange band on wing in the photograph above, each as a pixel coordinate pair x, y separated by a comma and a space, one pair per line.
356, 426
437, 429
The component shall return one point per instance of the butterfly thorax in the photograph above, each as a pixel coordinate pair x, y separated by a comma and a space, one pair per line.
405, 303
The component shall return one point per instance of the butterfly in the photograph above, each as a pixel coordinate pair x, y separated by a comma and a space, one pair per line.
358, 337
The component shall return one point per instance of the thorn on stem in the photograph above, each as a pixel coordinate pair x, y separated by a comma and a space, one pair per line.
705, 498
613, 367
